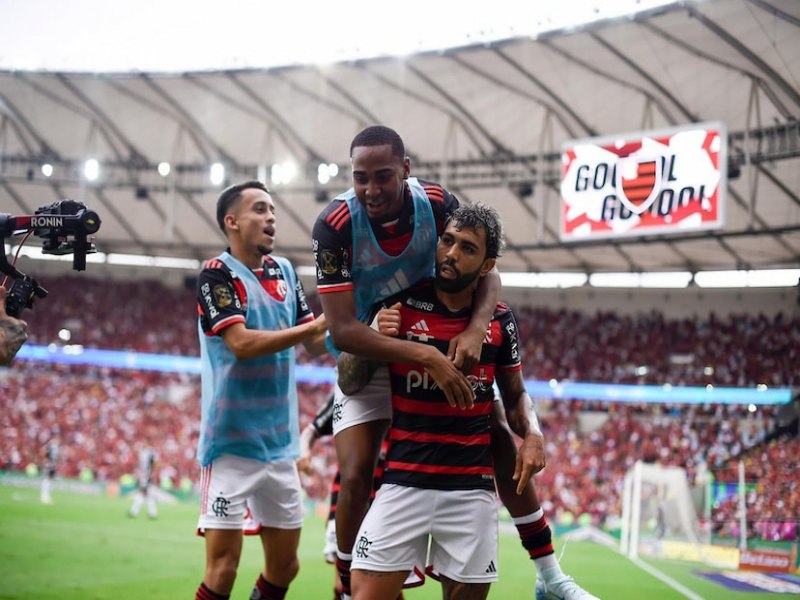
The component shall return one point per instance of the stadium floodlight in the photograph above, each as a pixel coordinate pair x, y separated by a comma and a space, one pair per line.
326, 172
47, 169
282, 173
164, 168
91, 169
217, 173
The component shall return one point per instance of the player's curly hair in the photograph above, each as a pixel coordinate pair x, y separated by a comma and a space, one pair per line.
378, 135
481, 216
231, 195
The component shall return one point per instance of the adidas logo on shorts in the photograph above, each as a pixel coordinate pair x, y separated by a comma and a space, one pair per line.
491, 568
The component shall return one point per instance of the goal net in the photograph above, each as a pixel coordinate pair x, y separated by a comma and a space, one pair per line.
659, 517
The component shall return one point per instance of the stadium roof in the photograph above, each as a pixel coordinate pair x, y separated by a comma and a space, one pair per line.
488, 120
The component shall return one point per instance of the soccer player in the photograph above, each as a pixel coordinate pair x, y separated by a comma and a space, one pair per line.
144, 492
371, 242
252, 312
320, 426
50, 453
438, 483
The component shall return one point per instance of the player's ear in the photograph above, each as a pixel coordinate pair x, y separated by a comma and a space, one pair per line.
230, 222
406, 167
487, 266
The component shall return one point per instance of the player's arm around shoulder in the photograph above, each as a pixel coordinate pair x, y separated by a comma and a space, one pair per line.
222, 313
251, 343
356, 371
465, 348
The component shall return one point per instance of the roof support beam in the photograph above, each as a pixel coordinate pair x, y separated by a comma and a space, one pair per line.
547, 90
788, 89
645, 75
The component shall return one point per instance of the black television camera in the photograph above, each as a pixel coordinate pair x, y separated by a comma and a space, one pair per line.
64, 226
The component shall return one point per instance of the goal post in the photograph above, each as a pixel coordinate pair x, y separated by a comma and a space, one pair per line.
657, 509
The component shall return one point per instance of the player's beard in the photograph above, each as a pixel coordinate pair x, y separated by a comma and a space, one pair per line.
461, 282
264, 250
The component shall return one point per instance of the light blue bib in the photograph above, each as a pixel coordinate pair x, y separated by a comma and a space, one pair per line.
378, 275
249, 407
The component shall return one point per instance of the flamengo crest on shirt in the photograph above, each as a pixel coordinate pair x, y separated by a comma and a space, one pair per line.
671, 180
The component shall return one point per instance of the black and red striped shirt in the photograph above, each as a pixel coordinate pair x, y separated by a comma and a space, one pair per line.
433, 445
333, 235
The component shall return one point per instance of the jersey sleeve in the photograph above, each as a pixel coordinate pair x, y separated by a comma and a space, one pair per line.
304, 311
218, 302
332, 244
508, 358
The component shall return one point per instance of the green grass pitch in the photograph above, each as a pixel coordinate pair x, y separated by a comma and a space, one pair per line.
85, 547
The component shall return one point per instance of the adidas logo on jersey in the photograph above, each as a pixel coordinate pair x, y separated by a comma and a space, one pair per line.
418, 331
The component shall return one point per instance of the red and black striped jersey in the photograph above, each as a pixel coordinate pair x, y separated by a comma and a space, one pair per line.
333, 235
433, 445
225, 300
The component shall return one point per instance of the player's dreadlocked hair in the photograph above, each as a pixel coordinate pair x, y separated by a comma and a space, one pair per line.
231, 195
378, 135
480, 216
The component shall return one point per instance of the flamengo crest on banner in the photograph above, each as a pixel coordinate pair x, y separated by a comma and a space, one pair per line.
664, 181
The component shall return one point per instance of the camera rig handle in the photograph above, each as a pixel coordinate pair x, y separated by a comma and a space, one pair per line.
64, 227
62, 233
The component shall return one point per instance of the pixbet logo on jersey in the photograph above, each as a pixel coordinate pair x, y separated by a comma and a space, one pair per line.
652, 182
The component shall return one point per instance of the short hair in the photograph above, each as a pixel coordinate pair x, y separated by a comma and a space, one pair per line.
231, 195
379, 135
480, 216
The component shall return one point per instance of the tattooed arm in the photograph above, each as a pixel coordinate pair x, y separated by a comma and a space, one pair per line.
356, 371
13, 332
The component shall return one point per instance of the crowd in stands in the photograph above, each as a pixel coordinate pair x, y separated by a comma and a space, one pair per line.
772, 501
102, 416
738, 350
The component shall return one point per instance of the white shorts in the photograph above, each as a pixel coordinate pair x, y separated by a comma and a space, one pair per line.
415, 578
372, 403
231, 484
461, 525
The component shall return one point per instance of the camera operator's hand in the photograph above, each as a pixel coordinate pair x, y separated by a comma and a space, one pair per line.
13, 332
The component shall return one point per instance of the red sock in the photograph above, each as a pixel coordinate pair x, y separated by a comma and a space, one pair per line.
537, 538
205, 593
343, 566
264, 590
